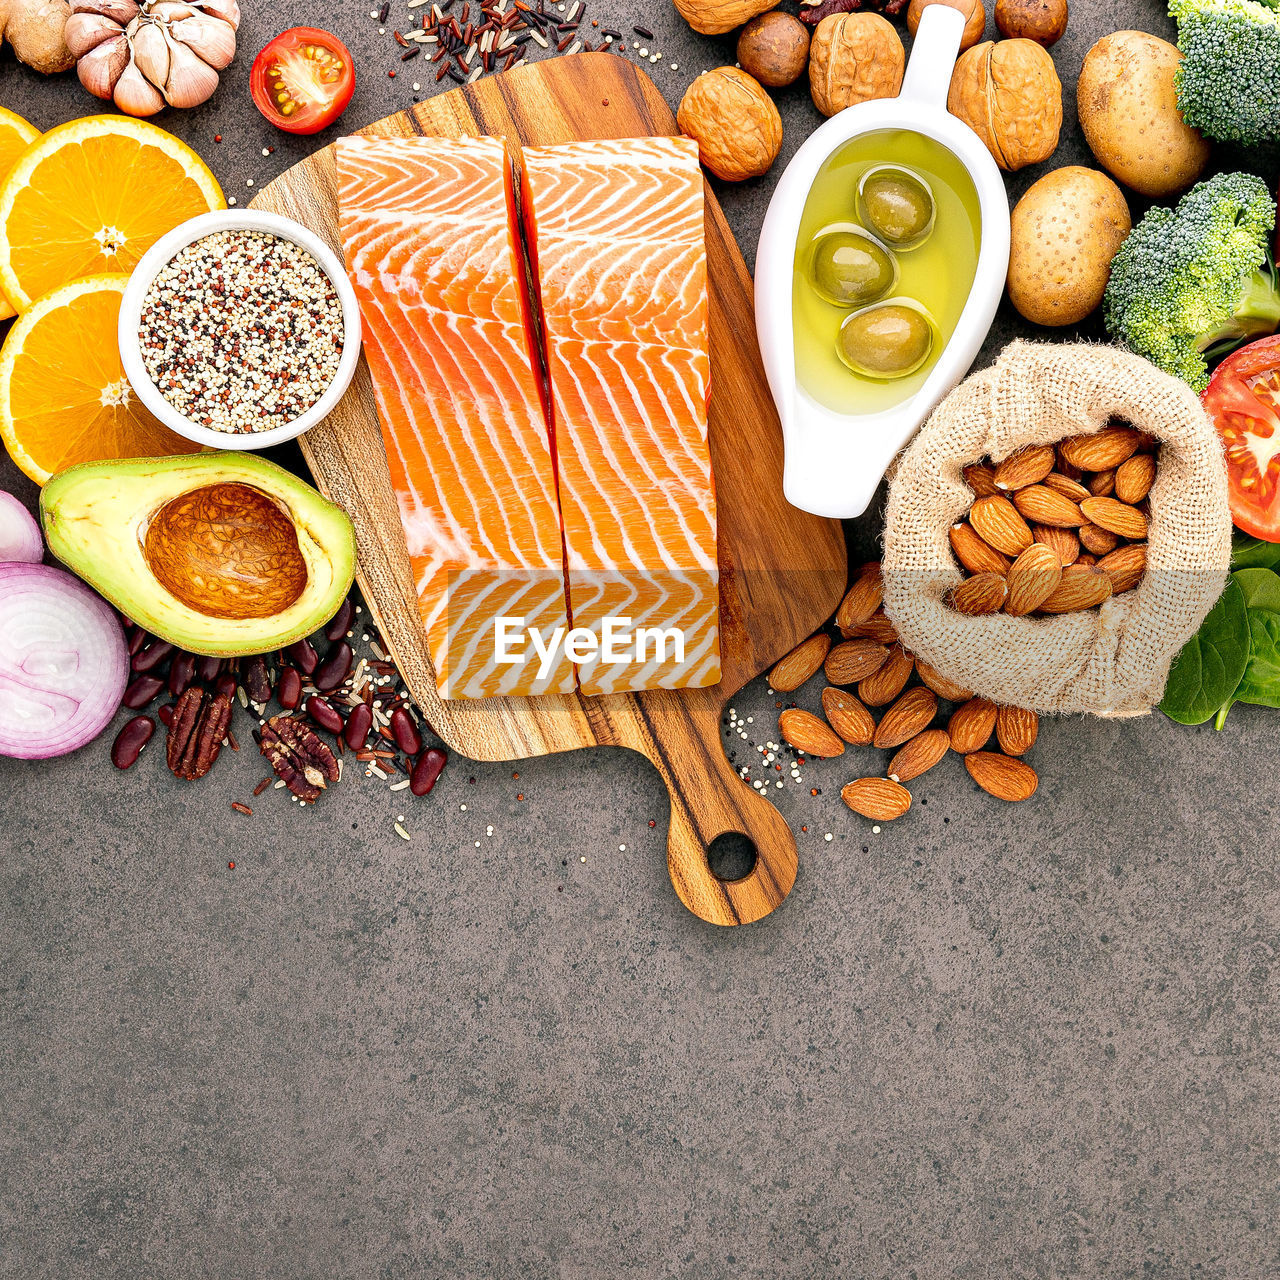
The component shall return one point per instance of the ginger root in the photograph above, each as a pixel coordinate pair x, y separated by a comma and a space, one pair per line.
34, 29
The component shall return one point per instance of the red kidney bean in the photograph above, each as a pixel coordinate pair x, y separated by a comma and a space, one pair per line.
340, 623
130, 741
405, 732
227, 684
322, 712
302, 653
359, 722
289, 688
256, 681
335, 667
166, 714
142, 690
428, 767
154, 654
137, 638
182, 671
208, 669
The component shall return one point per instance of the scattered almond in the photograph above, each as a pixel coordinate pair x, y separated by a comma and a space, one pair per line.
919, 755
981, 479
908, 716
1063, 541
1134, 477
939, 683
1027, 466
1125, 566
1033, 577
877, 627
1086, 558
803, 661
1002, 776
1097, 540
855, 660
1016, 730
971, 725
881, 687
809, 735
1101, 450
880, 799
1043, 505
848, 717
862, 599
1119, 517
1102, 483
997, 523
1064, 485
976, 555
1083, 586
983, 593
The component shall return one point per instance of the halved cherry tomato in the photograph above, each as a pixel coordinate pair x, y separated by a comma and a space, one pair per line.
303, 80
1243, 399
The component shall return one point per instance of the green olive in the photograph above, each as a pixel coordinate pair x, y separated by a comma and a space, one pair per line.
897, 205
889, 340
850, 269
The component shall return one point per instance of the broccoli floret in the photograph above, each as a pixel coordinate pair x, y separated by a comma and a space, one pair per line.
1229, 80
1197, 280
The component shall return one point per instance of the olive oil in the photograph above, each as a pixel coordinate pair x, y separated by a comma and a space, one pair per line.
937, 275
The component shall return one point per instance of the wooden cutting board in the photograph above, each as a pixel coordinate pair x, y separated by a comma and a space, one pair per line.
782, 571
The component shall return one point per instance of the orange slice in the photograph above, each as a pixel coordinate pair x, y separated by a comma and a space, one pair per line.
63, 394
93, 196
16, 135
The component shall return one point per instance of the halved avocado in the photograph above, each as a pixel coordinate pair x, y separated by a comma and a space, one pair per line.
218, 553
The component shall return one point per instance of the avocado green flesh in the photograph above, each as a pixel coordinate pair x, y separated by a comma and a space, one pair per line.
96, 517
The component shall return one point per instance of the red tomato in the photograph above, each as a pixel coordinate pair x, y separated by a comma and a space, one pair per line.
1243, 399
303, 80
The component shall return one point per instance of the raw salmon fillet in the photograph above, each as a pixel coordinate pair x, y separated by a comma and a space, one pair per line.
430, 236
615, 230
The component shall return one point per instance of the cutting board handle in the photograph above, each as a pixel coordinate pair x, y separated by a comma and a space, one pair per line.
710, 806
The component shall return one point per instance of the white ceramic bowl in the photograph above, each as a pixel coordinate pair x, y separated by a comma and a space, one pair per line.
162, 252
834, 461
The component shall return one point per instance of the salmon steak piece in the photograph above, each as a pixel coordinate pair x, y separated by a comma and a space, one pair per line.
615, 233
430, 235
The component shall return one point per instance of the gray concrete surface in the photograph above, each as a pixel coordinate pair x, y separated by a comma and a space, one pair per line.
985, 1042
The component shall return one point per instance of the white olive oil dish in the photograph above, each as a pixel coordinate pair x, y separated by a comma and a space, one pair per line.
239, 329
881, 263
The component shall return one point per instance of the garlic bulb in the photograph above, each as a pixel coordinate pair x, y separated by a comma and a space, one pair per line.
144, 53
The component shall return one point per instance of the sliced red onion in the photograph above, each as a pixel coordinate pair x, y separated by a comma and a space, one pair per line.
19, 533
63, 662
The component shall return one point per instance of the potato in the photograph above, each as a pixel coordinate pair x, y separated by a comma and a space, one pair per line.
1129, 114
1065, 231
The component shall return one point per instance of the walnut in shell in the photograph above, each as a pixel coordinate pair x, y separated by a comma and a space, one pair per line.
1009, 94
854, 57
734, 122
715, 17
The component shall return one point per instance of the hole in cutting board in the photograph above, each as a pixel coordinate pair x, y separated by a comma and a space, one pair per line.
731, 856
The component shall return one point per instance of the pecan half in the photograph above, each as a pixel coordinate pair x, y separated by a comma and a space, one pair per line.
298, 755
813, 11
196, 733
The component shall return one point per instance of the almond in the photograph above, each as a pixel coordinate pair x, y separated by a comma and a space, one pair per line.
855, 660
809, 735
1094, 538
1125, 566
879, 799
907, 717
1016, 729
981, 479
1101, 450
1002, 776
1134, 477
1043, 505
877, 627
1032, 579
939, 683
881, 687
791, 672
1027, 466
1086, 558
981, 594
862, 599
976, 556
998, 524
848, 717
971, 725
1063, 541
1102, 483
919, 755
1119, 517
1064, 485
1082, 587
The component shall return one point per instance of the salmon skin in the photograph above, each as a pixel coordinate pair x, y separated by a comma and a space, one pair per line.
430, 235
615, 231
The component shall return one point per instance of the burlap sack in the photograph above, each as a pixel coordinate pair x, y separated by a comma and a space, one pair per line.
1112, 661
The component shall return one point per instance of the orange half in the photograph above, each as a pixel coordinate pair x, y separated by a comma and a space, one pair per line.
16, 135
63, 394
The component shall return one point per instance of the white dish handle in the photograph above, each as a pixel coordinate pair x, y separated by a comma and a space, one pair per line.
933, 56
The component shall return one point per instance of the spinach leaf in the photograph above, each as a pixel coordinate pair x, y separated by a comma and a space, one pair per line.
1206, 674
1253, 553
1260, 684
